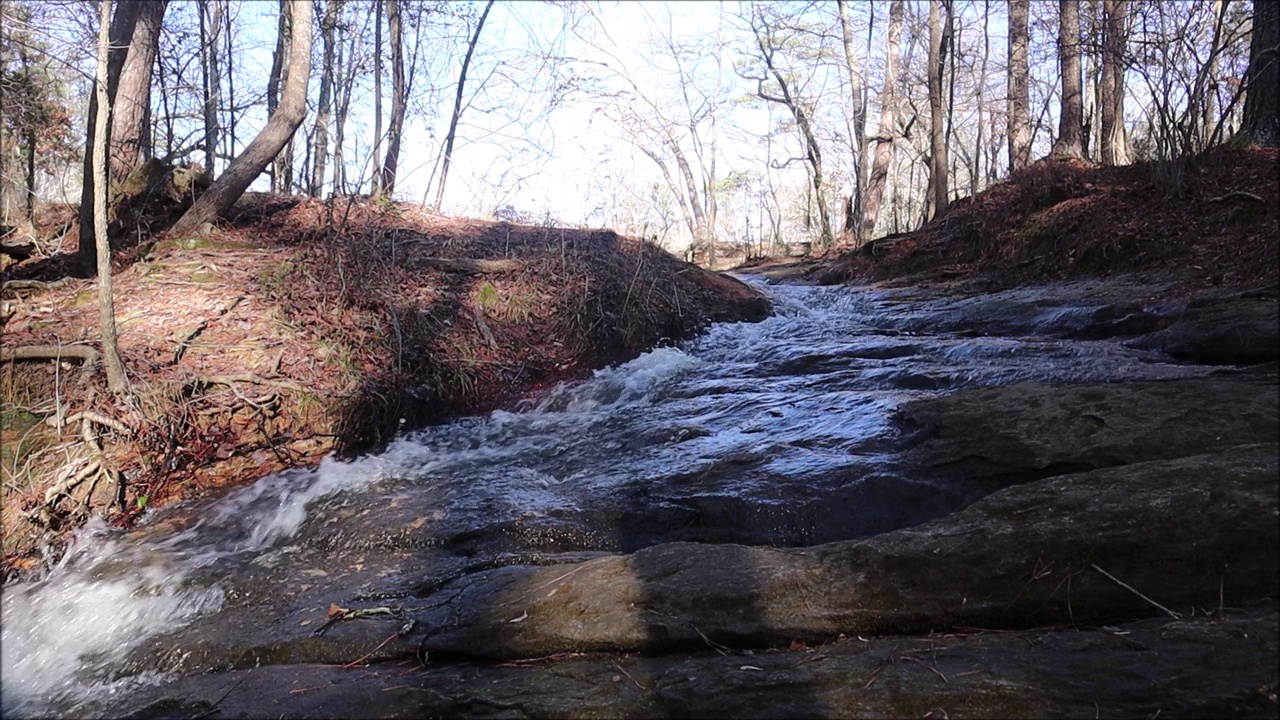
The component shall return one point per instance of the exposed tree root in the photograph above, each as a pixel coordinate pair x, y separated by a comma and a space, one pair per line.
84, 353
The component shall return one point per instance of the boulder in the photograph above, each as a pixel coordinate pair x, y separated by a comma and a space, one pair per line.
1192, 668
1234, 330
1020, 432
1025, 556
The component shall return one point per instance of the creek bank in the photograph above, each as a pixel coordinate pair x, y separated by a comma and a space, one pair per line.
302, 328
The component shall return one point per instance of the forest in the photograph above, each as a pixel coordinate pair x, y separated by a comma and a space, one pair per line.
585, 358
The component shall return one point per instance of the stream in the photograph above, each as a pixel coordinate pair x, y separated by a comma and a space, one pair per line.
777, 433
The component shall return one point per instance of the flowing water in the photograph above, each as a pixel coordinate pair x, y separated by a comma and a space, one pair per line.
779, 432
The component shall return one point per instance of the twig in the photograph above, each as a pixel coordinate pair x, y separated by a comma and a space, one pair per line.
1236, 194
722, 649
620, 669
218, 702
935, 670
1117, 581
358, 660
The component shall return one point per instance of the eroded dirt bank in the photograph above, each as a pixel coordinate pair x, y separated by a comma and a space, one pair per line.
301, 328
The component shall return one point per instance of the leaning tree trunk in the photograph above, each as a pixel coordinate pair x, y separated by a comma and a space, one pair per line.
1262, 104
1019, 115
117, 382
888, 123
267, 145
1070, 141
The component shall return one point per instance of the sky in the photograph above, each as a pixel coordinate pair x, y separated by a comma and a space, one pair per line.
573, 164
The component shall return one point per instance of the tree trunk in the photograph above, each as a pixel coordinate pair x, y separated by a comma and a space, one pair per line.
1207, 78
210, 27
131, 104
387, 177
343, 101
855, 204
1070, 141
979, 149
457, 106
1262, 103
231, 84
938, 47
282, 165
267, 145
117, 382
320, 133
122, 26
377, 91
1019, 132
888, 123
1114, 150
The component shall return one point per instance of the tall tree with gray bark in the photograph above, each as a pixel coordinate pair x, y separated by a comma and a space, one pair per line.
1019, 115
1070, 142
1262, 104
939, 47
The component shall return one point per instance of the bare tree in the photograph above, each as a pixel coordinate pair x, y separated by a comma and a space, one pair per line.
320, 132
386, 180
134, 35
271, 140
1114, 149
117, 382
939, 42
457, 106
767, 46
210, 27
889, 121
1019, 114
1262, 104
1070, 142
853, 214
282, 165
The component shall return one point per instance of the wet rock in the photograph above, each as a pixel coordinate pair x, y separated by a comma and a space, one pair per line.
1234, 330
1195, 668
1018, 558
1019, 432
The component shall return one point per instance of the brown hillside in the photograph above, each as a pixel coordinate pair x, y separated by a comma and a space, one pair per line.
1061, 218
